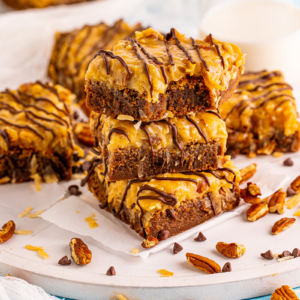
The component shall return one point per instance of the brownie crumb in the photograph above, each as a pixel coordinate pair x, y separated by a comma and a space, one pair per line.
163, 235
227, 267
177, 248
288, 162
111, 271
64, 261
267, 255
74, 190
200, 237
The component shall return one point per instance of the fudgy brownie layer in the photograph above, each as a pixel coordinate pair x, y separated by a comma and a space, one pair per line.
251, 143
188, 214
182, 97
134, 163
17, 165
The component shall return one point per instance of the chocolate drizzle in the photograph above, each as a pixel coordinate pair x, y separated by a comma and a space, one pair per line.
262, 78
98, 122
168, 51
198, 174
150, 141
214, 113
176, 179
94, 163
5, 136
146, 68
288, 87
197, 127
219, 177
95, 151
118, 130
175, 138
228, 170
199, 54
104, 54
218, 50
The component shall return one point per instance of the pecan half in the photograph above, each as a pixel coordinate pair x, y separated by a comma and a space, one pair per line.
149, 243
80, 252
248, 172
231, 250
295, 185
257, 211
282, 225
284, 293
250, 193
7, 231
277, 201
84, 134
203, 263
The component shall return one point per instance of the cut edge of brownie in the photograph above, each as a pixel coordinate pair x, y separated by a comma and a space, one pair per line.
189, 214
187, 95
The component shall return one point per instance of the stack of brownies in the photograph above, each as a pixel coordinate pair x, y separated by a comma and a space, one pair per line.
161, 144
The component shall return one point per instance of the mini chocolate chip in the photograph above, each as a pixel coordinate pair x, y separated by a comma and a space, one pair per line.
64, 261
75, 115
267, 255
111, 271
171, 213
163, 235
227, 267
290, 192
132, 205
200, 237
86, 165
74, 190
296, 252
177, 248
76, 157
288, 162
286, 253
76, 169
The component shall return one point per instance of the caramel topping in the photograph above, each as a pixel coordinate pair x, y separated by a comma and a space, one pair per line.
262, 96
36, 115
155, 60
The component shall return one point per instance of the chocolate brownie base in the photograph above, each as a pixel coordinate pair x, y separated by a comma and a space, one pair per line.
134, 163
249, 143
182, 97
189, 214
17, 164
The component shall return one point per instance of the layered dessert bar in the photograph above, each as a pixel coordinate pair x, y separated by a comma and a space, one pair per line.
261, 116
74, 50
154, 76
135, 150
36, 139
170, 203
25, 4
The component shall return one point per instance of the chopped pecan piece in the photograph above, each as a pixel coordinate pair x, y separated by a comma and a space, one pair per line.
248, 172
277, 201
250, 193
203, 263
80, 252
282, 225
284, 293
7, 231
231, 250
295, 185
149, 243
257, 211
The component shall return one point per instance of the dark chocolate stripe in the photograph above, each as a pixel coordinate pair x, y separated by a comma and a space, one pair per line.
214, 113
83, 41
95, 151
288, 87
168, 51
144, 64
149, 139
98, 122
199, 54
285, 100
22, 126
219, 177
118, 130
163, 71
263, 78
70, 140
254, 72
105, 167
218, 50
272, 98
228, 170
94, 162
176, 179
197, 127
198, 174
175, 138
173, 35
5, 136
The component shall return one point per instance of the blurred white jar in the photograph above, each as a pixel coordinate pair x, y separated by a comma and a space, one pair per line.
267, 31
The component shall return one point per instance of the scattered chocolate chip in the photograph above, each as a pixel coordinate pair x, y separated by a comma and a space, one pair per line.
296, 252
74, 190
290, 192
171, 213
163, 235
76, 157
86, 165
227, 267
177, 248
267, 255
64, 261
200, 237
286, 253
288, 162
75, 115
76, 169
111, 271
132, 205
